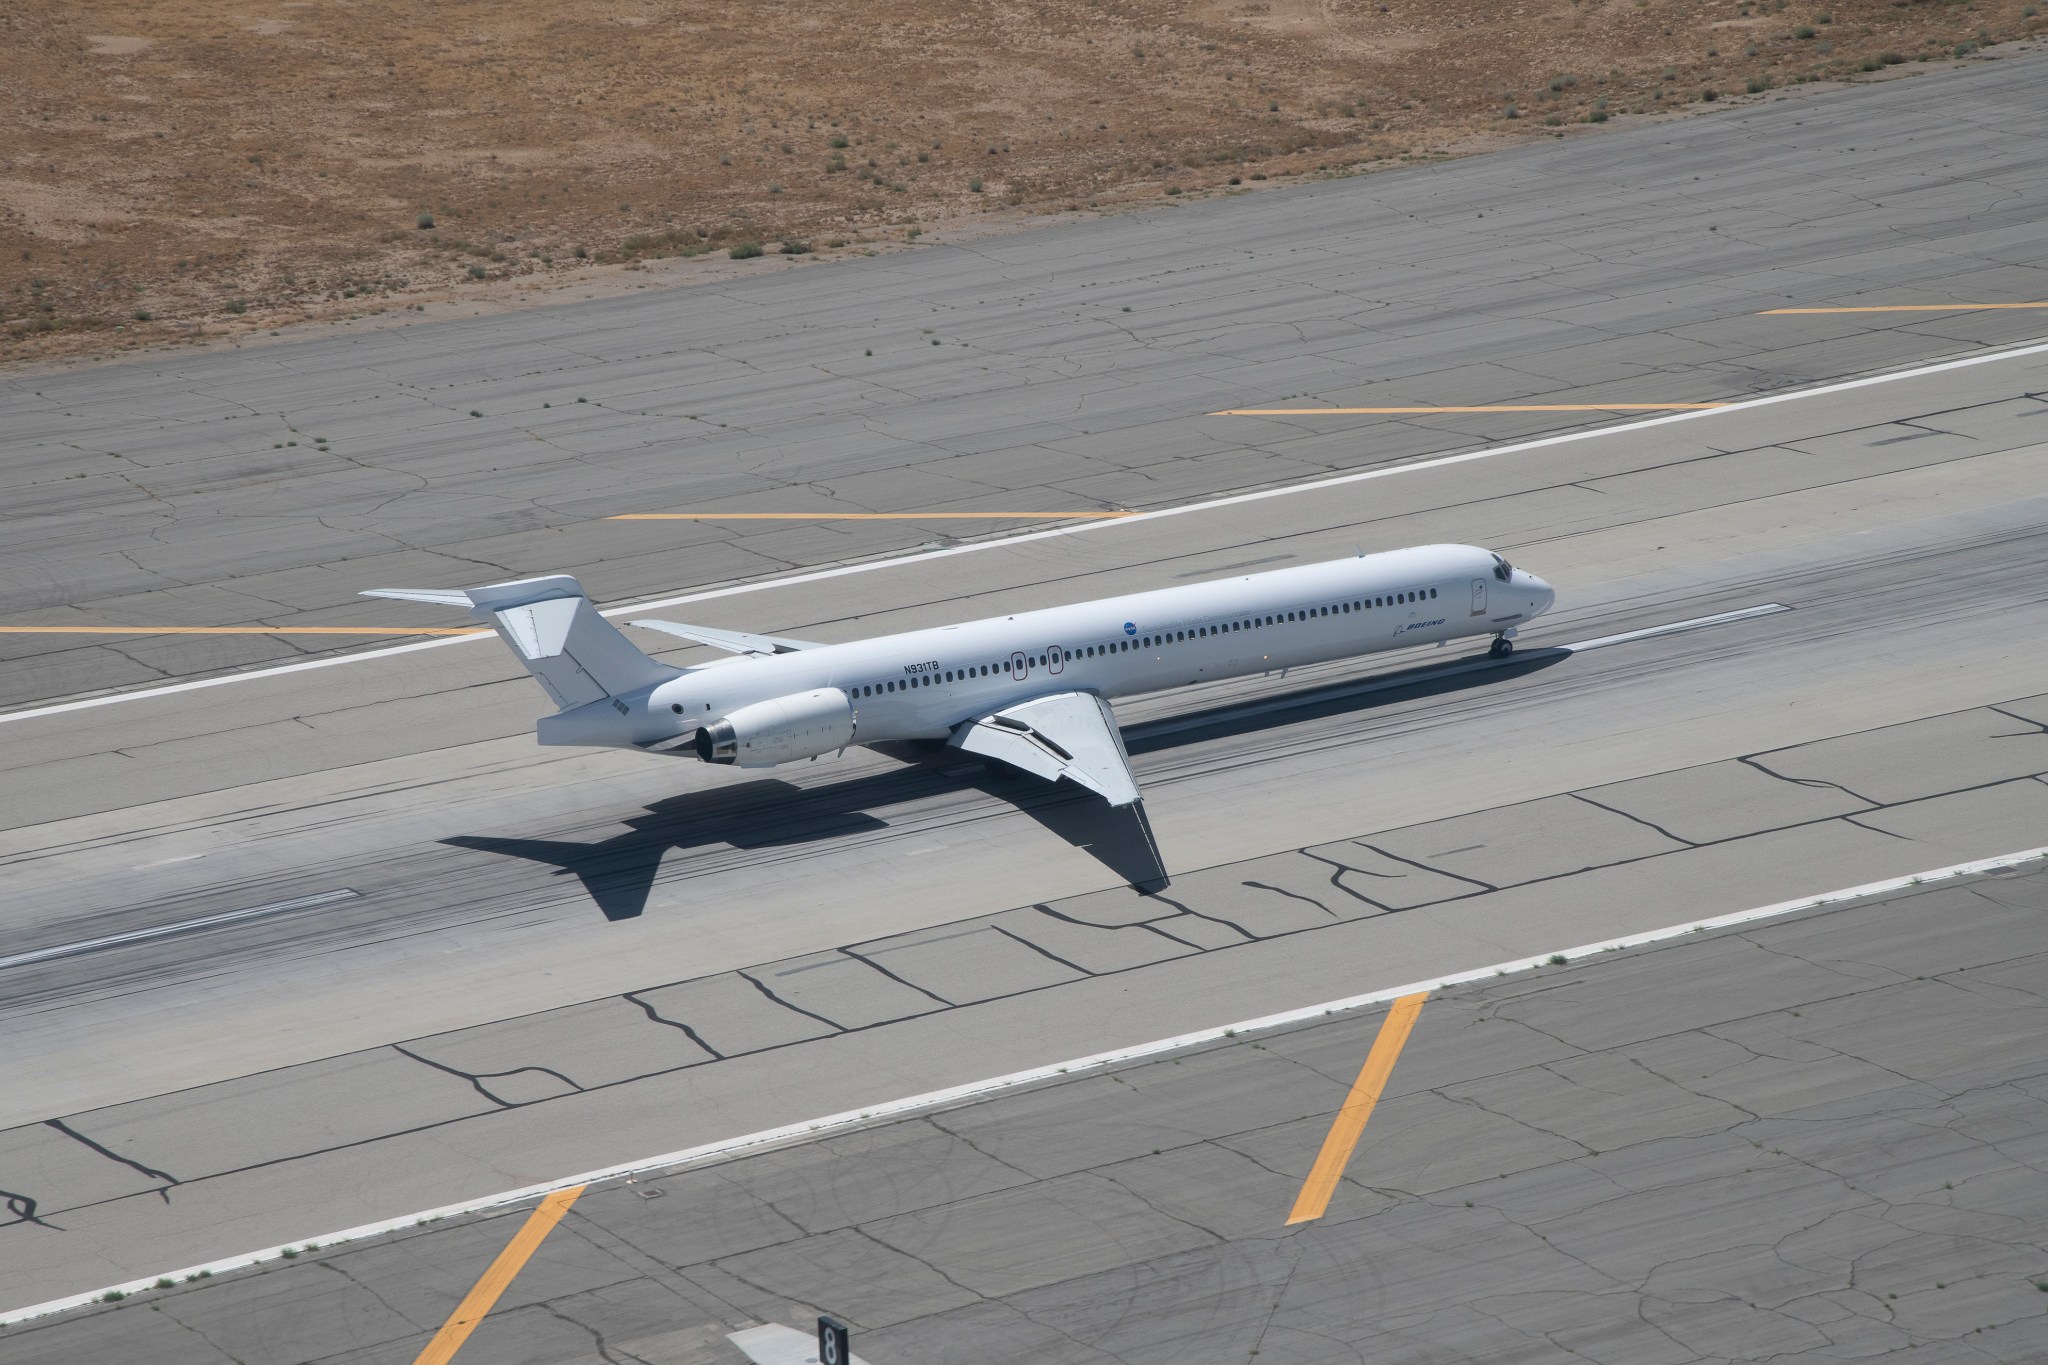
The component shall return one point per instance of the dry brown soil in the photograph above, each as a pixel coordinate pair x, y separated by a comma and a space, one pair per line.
173, 169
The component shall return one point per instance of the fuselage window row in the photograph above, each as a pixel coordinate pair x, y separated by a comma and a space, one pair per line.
1146, 642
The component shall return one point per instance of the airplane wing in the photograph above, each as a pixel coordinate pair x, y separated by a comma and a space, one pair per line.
731, 641
1070, 734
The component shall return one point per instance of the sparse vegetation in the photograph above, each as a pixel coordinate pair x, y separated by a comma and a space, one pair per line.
743, 251
690, 129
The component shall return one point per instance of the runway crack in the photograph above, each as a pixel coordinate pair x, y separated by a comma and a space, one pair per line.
1293, 896
655, 1016
762, 987
476, 1079
112, 1155
901, 981
1758, 764
1647, 824
1046, 953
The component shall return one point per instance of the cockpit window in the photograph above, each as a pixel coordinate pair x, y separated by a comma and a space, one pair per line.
1502, 569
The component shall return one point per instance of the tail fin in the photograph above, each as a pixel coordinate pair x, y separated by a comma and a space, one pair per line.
572, 651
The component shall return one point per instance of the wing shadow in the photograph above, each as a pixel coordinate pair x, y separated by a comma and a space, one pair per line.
618, 873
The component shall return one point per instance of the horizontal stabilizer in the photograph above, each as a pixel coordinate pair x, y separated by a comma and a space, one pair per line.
731, 641
446, 597
571, 650
1069, 734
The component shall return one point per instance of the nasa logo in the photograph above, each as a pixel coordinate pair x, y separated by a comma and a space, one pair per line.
1130, 628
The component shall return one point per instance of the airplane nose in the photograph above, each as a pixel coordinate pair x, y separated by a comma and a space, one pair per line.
1544, 595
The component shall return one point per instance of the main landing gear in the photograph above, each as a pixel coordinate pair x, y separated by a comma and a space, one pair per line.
1501, 647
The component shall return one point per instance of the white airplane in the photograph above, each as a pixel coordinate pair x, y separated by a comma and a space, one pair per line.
1030, 690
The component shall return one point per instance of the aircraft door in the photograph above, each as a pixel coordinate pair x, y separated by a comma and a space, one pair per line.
1055, 659
1479, 597
1020, 666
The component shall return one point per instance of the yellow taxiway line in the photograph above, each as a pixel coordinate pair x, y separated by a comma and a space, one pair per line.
870, 516
1487, 407
483, 1296
1903, 308
240, 630
1314, 1198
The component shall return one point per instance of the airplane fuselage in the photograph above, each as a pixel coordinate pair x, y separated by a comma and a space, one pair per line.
922, 684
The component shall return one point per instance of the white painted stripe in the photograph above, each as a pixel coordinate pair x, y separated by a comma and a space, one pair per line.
93, 945
1070, 529
732, 1147
1678, 627
1386, 682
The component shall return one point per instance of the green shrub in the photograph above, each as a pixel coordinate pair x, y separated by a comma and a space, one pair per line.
1803, 31
796, 248
974, 186
477, 272
425, 220
1758, 84
743, 251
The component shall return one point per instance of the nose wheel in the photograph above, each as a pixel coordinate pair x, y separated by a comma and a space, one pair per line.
1500, 648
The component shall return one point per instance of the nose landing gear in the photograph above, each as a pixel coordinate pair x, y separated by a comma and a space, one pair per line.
1501, 647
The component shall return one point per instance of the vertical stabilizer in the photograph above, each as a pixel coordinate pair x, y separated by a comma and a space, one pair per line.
571, 650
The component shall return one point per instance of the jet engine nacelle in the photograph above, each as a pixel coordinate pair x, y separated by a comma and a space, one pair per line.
780, 730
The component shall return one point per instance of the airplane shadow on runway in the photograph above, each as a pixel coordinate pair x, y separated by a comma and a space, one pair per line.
619, 873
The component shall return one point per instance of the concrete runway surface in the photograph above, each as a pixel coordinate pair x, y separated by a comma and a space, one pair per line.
1806, 1140
463, 964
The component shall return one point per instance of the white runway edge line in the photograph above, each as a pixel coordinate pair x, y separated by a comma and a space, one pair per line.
1074, 528
734, 1147
189, 926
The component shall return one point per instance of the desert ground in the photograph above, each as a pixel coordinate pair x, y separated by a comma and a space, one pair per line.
186, 171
